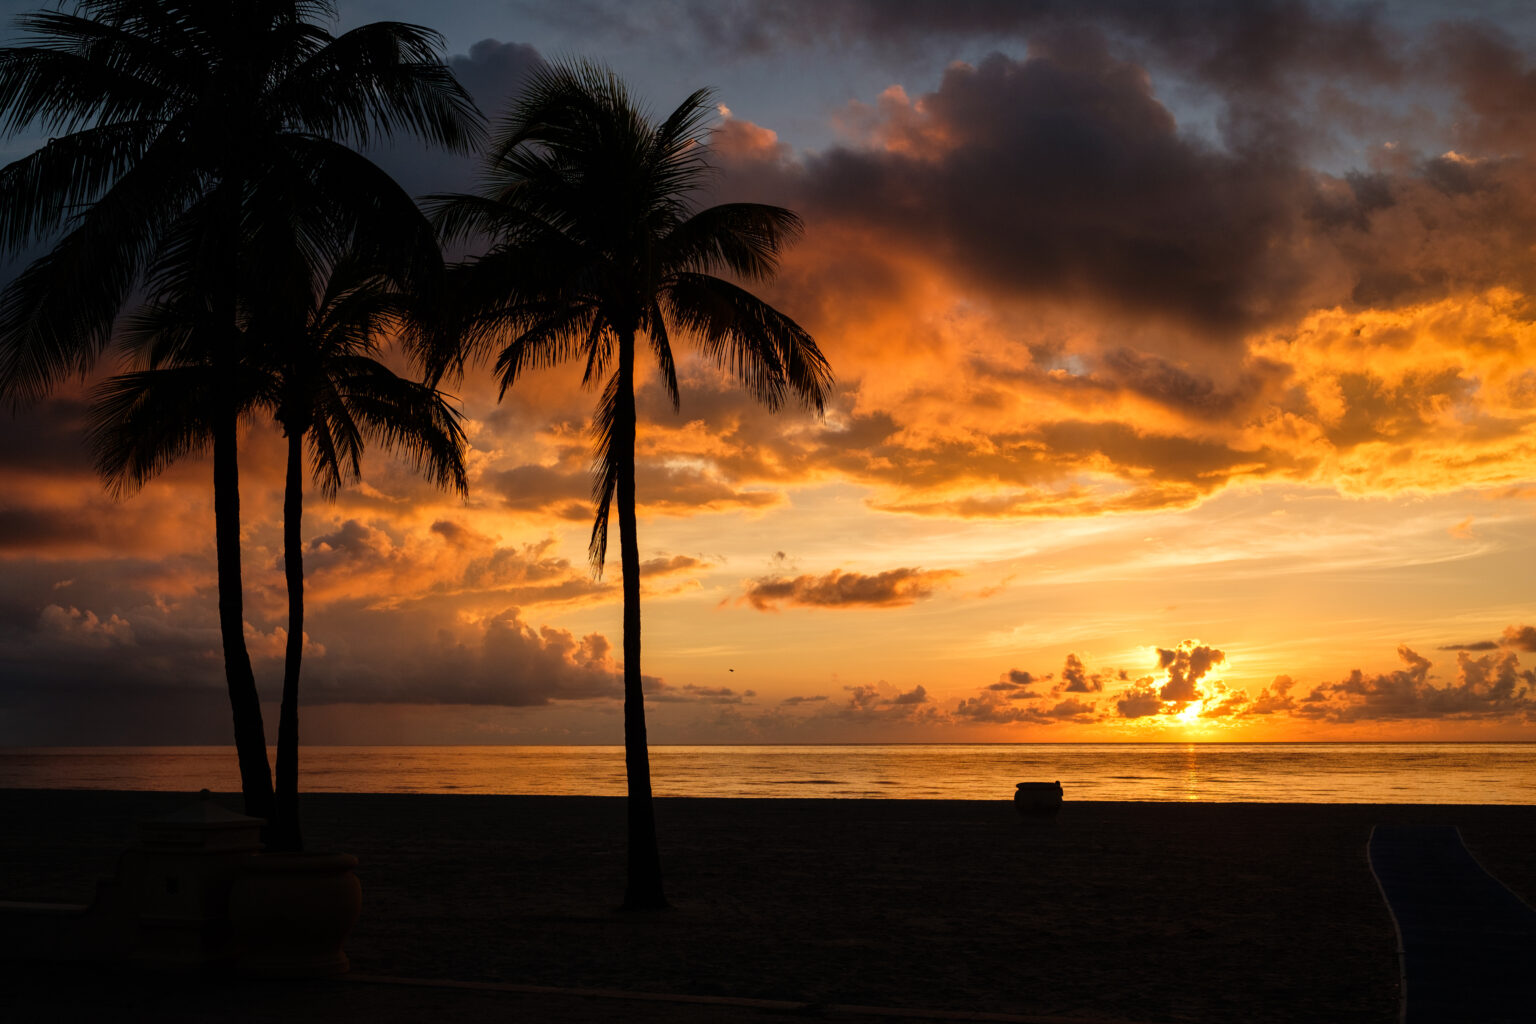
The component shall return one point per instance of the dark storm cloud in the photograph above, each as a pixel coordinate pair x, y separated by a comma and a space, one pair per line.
85, 641
1496, 83
1198, 394
508, 664
1252, 45
48, 439
492, 71
1193, 394
64, 715
40, 529
1431, 227
99, 652
375, 658
70, 512
1062, 176
46, 443
838, 589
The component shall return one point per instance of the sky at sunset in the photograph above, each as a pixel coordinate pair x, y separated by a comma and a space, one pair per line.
1186, 390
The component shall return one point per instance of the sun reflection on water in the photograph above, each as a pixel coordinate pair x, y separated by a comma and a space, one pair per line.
1191, 779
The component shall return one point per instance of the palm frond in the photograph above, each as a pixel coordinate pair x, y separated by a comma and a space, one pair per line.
413, 419
335, 442
742, 238
563, 105
661, 347
605, 470
677, 161
347, 207
458, 217
358, 307
56, 316
552, 337
41, 191
160, 335
82, 72
770, 354
378, 80
599, 346
506, 292
142, 422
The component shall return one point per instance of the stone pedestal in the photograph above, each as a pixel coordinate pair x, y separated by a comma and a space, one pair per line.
177, 879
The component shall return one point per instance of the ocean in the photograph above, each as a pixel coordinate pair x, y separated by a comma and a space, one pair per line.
1399, 773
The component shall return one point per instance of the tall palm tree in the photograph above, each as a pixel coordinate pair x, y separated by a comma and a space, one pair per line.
595, 242
332, 390
312, 362
173, 119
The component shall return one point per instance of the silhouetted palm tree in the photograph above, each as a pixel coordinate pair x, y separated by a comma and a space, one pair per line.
174, 121
312, 361
594, 241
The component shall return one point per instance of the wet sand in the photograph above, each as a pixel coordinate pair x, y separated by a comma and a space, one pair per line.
1129, 911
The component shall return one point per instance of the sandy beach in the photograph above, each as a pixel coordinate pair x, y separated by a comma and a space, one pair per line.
1128, 911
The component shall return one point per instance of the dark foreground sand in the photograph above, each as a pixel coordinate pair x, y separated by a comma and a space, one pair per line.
1140, 912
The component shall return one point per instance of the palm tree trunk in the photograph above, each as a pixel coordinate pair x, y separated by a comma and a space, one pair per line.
644, 889
245, 704
286, 834
250, 736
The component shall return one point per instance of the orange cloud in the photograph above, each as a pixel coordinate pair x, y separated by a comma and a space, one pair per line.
893, 588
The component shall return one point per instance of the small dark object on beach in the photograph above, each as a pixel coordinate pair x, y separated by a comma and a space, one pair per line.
1038, 799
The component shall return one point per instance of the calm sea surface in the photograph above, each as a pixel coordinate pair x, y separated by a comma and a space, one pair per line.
1436, 773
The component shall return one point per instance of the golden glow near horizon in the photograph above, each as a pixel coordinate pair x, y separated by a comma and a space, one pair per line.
1175, 436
